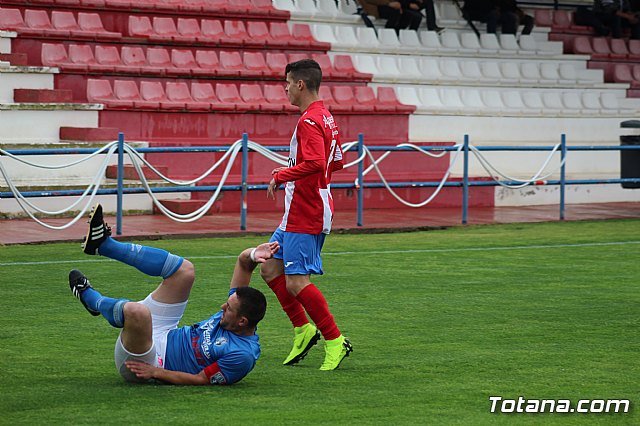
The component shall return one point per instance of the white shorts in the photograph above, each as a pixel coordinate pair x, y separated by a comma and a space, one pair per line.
164, 318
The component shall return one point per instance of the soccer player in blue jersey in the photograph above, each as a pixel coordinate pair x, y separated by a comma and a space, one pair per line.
221, 349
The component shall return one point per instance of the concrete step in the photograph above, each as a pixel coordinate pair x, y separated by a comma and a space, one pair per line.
15, 59
186, 206
130, 172
42, 95
88, 134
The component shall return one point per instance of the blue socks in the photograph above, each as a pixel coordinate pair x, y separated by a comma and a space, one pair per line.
111, 309
149, 260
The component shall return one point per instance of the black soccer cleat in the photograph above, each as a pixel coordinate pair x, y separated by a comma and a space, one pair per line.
78, 283
98, 231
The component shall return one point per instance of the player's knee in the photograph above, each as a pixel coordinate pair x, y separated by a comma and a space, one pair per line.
187, 272
136, 313
269, 271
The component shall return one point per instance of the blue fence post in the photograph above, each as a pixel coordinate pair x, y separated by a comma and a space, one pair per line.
120, 183
245, 171
563, 156
465, 181
360, 179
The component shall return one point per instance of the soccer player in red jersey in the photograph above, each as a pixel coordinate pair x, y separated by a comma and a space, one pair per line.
314, 155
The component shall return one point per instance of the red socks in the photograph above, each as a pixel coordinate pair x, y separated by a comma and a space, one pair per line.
316, 305
290, 305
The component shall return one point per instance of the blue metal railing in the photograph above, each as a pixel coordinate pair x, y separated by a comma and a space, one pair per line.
359, 185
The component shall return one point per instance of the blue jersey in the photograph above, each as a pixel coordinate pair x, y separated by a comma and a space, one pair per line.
225, 356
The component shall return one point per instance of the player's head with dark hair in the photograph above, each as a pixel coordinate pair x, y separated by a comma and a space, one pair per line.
308, 71
253, 305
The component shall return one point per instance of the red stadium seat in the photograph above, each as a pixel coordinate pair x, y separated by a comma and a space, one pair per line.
107, 59
54, 55
158, 61
238, 7
258, 32
231, 63
91, 22
261, 7
343, 64
207, 63
228, 93
622, 73
344, 96
582, 45
126, 91
252, 96
254, 64
11, 19
167, 5
600, 47
99, 91
562, 19
327, 97
133, 59
80, 57
236, 33
203, 92
140, 26
37, 23
212, 31
277, 63
191, 6
180, 93
619, 49
295, 57
325, 64
280, 35
302, 32
65, 21
182, 62
153, 96
188, 29
634, 50
164, 29
365, 95
387, 96
635, 70
276, 95
544, 17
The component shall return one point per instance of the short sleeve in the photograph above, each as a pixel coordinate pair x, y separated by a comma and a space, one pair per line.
234, 366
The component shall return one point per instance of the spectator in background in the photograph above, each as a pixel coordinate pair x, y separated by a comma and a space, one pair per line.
430, 11
399, 14
611, 16
505, 13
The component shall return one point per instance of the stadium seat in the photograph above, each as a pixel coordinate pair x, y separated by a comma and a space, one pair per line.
493, 100
634, 50
533, 101
572, 101
258, 33
562, 20
388, 69
255, 64
80, 57
619, 49
344, 95
471, 71
601, 48
179, 92
236, 33
530, 73
277, 62
302, 32
470, 43
252, 96
154, 96
133, 59
164, 30
204, 92
512, 100
430, 41
552, 102
344, 64
510, 73
127, 91
491, 71
366, 96
451, 101
92, 23
182, 62
387, 96
188, 29
366, 39
54, 55
107, 59
544, 17
472, 101
65, 21
509, 44
100, 91
276, 95
549, 73
228, 94
450, 70
581, 45
11, 19
429, 68
207, 63
409, 39
37, 23
346, 38
281, 35
389, 39
140, 26
591, 103
327, 67
158, 61
212, 31
231, 63
409, 95
327, 97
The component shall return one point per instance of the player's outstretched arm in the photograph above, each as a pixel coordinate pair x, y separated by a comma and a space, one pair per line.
249, 259
147, 372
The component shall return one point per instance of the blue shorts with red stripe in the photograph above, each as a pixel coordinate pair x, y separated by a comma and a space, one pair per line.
299, 252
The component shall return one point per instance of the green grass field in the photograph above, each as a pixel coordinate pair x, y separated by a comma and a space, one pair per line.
440, 321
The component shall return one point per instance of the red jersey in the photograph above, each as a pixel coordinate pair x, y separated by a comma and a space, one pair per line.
314, 154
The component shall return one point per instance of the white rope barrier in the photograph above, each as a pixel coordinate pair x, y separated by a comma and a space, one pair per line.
138, 161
